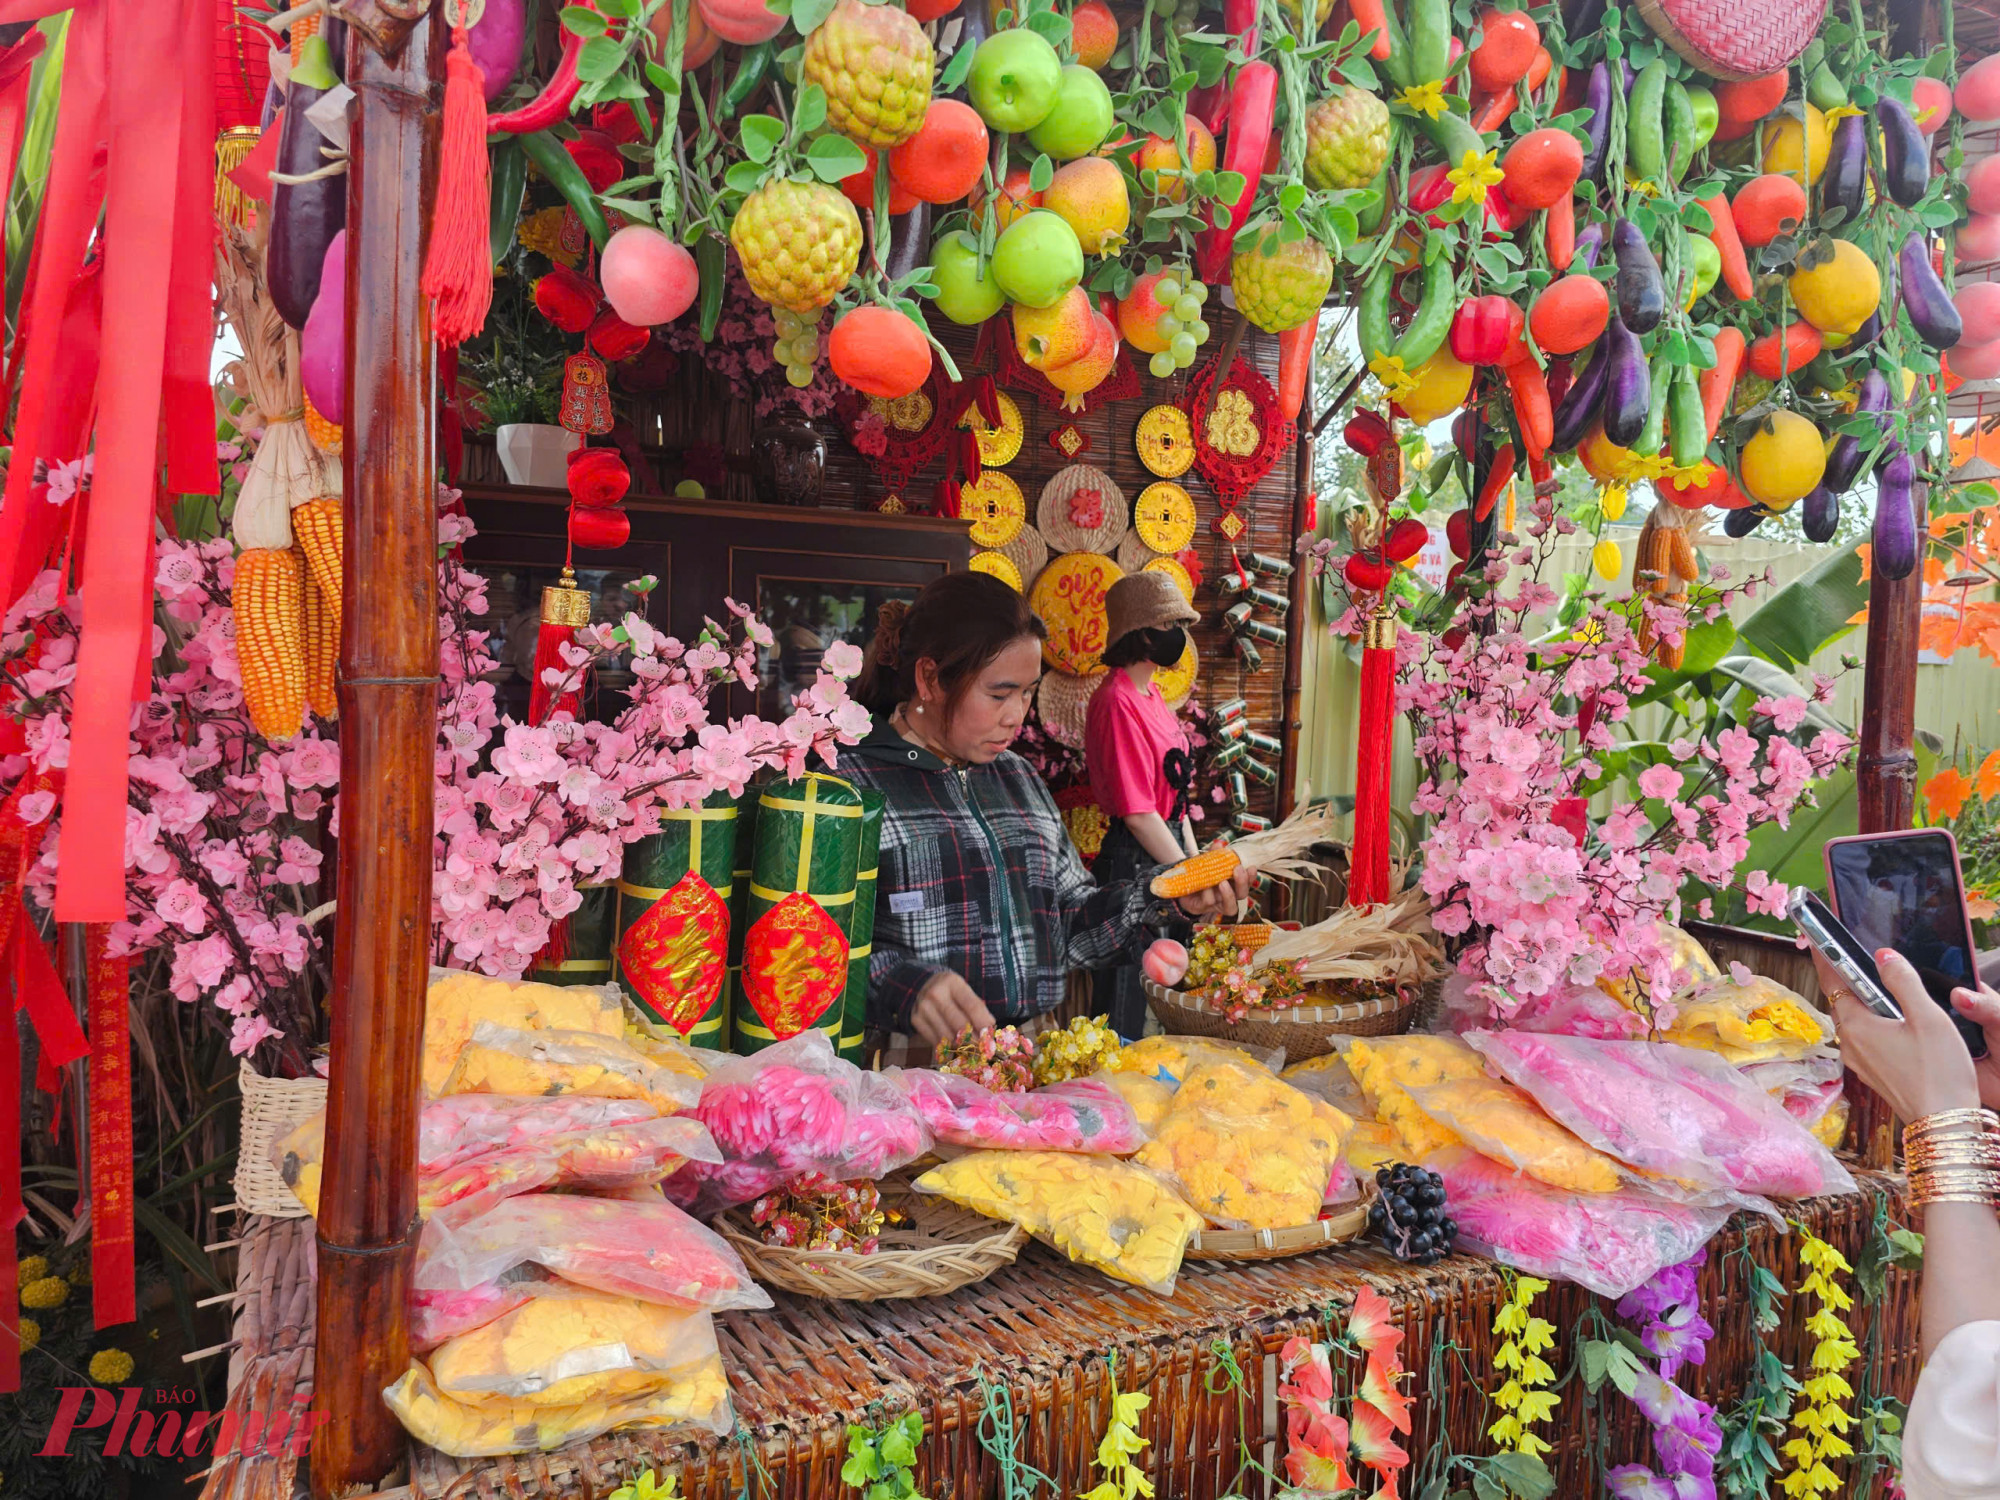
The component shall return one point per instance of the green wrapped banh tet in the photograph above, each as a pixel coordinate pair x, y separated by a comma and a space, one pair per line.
795, 938
579, 947
861, 931
673, 920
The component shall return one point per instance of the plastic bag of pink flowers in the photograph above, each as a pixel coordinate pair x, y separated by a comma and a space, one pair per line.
1682, 1113
1080, 1115
791, 1109
1608, 1242
633, 1153
651, 1251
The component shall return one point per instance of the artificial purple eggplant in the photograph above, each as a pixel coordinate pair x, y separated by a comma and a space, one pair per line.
305, 216
1931, 312
1745, 519
909, 241
1844, 184
1596, 122
1628, 385
497, 42
323, 341
1906, 156
1819, 514
1895, 534
1589, 245
1845, 458
1641, 293
1867, 333
1578, 407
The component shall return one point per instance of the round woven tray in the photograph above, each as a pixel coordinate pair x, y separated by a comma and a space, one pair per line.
1275, 1244
1303, 1031
1730, 40
939, 1248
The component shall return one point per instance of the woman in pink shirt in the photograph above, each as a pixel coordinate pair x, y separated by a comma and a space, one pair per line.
1137, 754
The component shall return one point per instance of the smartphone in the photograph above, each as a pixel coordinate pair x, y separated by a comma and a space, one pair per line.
1905, 891
1842, 951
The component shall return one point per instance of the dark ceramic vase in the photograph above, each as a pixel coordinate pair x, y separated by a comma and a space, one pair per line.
791, 463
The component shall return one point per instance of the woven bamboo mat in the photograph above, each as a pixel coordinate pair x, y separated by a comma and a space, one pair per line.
271, 1366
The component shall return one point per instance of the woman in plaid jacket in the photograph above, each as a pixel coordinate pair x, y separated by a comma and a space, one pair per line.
982, 906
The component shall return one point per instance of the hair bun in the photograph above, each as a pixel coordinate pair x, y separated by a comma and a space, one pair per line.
889, 631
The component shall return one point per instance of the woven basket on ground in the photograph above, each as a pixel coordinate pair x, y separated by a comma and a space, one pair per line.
1302, 1030
271, 1107
1276, 1244
1730, 40
938, 1248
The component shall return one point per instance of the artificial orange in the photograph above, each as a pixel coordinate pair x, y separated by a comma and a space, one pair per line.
1767, 207
930, 10
1753, 98
945, 159
1506, 50
879, 352
1163, 156
1571, 313
1542, 168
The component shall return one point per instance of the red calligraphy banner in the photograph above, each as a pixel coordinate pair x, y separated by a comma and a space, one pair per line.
111, 1246
10, 1198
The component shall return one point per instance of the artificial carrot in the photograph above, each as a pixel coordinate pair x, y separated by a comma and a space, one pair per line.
1370, 15
1559, 231
1538, 70
1532, 411
1491, 112
1295, 355
1496, 481
1728, 244
1717, 383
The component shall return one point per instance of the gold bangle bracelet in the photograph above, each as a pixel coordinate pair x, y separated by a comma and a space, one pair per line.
1984, 1149
1974, 1117
1954, 1187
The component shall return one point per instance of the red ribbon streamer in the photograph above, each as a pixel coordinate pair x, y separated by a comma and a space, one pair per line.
112, 1280
1368, 859
10, 1198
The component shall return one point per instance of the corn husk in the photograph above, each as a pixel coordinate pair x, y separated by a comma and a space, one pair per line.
1387, 944
1281, 850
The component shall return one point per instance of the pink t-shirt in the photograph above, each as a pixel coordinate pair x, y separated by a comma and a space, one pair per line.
1126, 736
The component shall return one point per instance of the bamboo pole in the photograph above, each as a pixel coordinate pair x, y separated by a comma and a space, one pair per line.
388, 733
1886, 769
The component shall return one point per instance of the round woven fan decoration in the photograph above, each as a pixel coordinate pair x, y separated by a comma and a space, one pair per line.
1133, 553
1166, 441
1177, 681
1730, 40
997, 445
1082, 510
1001, 566
996, 508
1164, 516
1069, 598
1171, 566
1028, 552
911, 413
1063, 700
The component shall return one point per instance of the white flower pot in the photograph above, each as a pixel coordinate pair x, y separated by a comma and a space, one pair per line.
536, 453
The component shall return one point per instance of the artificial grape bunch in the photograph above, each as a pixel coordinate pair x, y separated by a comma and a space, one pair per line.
1410, 1214
797, 348
1182, 325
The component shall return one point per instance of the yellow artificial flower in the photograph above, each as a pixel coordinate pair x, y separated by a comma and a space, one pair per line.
1425, 98
1533, 1446
45, 1292
33, 1268
1539, 1406
31, 1334
111, 1367
1396, 380
1475, 173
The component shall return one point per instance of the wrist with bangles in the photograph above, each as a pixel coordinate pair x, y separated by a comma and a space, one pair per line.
1953, 1156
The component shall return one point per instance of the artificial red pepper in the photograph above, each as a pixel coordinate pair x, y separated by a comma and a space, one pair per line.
551, 105
1481, 330
1430, 189
1253, 105
1533, 412
1496, 481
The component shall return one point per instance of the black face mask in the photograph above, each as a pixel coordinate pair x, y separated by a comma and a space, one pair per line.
1164, 648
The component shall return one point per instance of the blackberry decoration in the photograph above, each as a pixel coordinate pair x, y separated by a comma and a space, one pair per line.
1409, 1215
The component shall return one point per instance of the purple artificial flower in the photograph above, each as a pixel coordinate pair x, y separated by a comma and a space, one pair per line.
1679, 1338
1685, 1433
1637, 1482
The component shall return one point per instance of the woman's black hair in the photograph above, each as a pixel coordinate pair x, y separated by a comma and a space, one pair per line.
1135, 645
960, 622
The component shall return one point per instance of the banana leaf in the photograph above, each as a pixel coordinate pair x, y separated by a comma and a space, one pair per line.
1808, 614
31, 174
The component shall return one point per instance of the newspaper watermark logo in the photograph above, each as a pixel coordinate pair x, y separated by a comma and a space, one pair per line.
170, 1427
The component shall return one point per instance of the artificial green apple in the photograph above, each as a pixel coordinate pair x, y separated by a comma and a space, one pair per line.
1080, 119
967, 291
1038, 259
1015, 78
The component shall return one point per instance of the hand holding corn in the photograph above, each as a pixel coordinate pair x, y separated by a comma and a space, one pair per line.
1214, 880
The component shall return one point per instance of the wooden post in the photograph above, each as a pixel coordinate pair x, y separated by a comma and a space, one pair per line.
388, 734
1299, 590
1886, 770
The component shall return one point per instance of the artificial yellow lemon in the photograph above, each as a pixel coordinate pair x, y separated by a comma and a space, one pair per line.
1782, 143
1837, 294
1612, 501
1783, 460
1608, 558
1442, 386
1603, 459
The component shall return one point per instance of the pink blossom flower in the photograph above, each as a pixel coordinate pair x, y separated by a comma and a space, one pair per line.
1663, 782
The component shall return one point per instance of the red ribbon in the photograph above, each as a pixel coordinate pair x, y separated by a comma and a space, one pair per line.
112, 1279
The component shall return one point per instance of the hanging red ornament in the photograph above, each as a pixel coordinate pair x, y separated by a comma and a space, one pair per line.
597, 477
1368, 859
602, 529
458, 269
614, 340
565, 610
566, 299
586, 395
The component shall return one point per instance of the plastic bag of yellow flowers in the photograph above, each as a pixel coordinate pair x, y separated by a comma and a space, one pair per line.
1248, 1150
1109, 1214
1505, 1124
1150, 1098
568, 1344
457, 1002
1176, 1056
1326, 1077
502, 1060
1387, 1067
1758, 1020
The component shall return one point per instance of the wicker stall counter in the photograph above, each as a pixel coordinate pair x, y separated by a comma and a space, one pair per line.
801, 1371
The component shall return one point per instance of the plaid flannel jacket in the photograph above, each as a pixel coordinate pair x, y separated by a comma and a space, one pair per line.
979, 876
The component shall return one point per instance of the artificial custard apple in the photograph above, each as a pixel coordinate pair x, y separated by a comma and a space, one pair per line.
1014, 80
799, 243
1279, 285
874, 62
1347, 139
967, 290
1038, 259
1048, 337
1080, 118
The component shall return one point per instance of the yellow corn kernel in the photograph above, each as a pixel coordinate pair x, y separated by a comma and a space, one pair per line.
267, 602
317, 526
320, 627
1196, 873
302, 29
325, 435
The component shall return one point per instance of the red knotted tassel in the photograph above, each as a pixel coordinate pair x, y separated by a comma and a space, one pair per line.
1368, 858
458, 273
565, 610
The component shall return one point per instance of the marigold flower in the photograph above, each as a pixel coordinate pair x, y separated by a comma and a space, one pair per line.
45, 1292
111, 1367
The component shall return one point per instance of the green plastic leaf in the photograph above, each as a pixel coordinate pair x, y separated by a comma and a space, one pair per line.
1041, 174
582, 22
1291, 197
598, 59
810, 113
957, 70
1809, 613
807, 14
1229, 185
897, 1447
833, 157
744, 177
762, 135
1052, 28
623, 10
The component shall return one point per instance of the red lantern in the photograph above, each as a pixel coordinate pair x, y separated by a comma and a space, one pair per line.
596, 156
613, 339
566, 299
597, 477
603, 529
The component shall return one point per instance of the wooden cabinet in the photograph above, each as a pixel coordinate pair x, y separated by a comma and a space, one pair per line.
814, 575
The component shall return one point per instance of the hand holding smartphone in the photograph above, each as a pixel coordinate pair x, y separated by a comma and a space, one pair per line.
1845, 956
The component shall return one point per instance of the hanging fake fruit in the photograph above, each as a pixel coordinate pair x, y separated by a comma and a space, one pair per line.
799, 243
875, 64
880, 352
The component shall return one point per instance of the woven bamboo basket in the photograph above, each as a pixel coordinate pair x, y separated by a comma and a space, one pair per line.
1730, 40
1279, 1244
1302, 1031
939, 1248
271, 1107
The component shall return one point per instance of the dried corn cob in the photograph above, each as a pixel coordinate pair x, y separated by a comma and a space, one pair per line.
317, 525
1686, 567
320, 629
267, 602
304, 28
325, 435
1198, 872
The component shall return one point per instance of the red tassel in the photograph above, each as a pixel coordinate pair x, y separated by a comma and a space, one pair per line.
565, 607
458, 275
1368, 859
